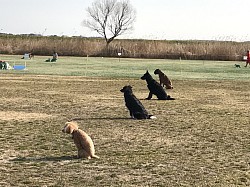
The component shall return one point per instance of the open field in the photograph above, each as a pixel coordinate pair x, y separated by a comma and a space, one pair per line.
200, 139
132, 68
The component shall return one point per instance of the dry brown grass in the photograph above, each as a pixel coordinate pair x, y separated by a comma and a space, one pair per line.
200, 139
76, 46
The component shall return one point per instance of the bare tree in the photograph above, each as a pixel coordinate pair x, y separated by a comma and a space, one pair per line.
110, 18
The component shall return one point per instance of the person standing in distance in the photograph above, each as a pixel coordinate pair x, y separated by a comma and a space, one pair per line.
248, 58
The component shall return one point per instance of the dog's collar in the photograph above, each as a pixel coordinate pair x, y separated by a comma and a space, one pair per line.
74, 132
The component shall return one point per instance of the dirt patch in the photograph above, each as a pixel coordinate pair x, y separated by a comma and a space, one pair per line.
23, 116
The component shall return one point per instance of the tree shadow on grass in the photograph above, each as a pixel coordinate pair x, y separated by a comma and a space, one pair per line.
44, 159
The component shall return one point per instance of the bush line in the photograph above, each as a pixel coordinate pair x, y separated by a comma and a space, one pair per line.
129, 48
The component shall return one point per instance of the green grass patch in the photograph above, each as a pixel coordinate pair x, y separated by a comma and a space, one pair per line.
132, 68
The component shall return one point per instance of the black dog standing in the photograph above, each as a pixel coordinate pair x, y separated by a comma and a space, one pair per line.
135, 107
155, 88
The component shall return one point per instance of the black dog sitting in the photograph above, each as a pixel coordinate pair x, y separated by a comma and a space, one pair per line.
155, 88
135, 107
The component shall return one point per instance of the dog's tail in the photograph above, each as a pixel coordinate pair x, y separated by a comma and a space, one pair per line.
151, 117
170, 98
94, 156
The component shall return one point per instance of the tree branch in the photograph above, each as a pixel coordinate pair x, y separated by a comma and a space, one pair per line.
110, 18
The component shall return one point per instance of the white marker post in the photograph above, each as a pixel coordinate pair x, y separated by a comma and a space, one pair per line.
119, 54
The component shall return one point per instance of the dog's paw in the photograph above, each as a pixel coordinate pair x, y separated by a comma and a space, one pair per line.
95, 156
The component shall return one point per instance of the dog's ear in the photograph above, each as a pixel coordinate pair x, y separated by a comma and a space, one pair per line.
70, 129
65, 128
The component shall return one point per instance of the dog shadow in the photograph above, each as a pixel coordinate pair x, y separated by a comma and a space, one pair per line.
154, 99
44, 159
100, 118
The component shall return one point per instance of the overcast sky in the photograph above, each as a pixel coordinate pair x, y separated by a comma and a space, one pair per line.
156, 19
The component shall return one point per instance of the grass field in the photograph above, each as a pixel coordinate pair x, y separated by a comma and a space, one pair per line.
130, 68
200, 139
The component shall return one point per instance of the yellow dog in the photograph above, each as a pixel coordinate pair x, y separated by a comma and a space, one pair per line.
82, 140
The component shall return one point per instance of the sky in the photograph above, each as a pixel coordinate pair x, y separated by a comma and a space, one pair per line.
155, 19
